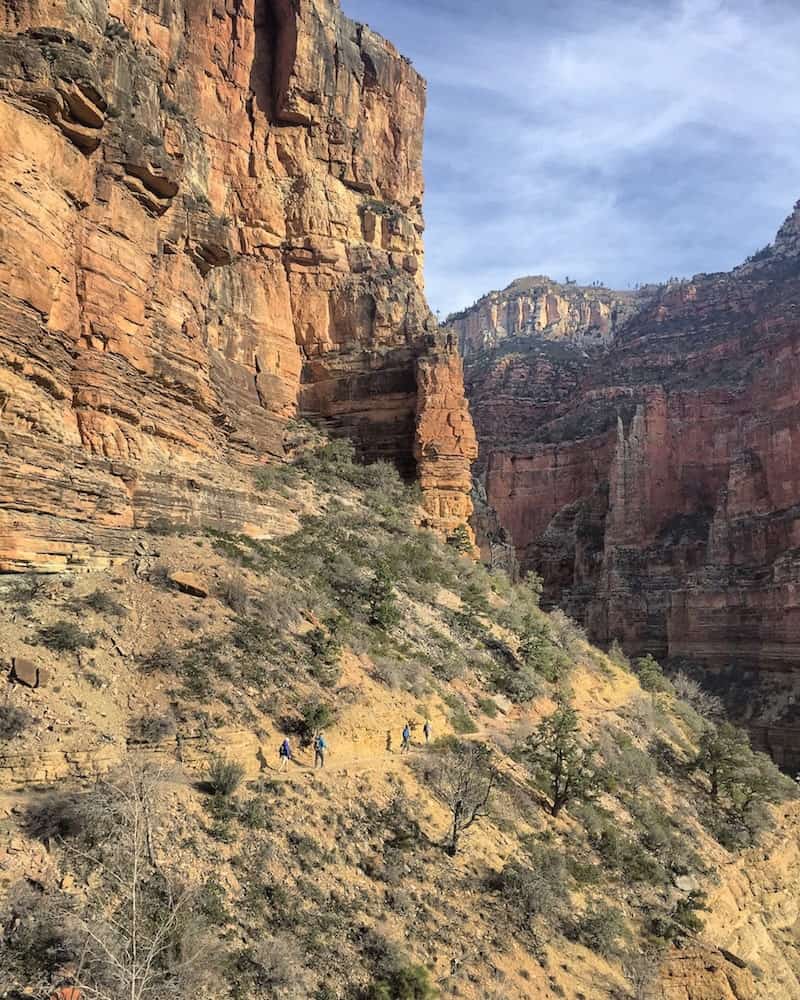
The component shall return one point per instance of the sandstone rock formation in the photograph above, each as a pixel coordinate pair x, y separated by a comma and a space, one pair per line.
210, 220
655, 484
540, 306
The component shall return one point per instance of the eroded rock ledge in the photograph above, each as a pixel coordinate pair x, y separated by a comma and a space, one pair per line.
210, 221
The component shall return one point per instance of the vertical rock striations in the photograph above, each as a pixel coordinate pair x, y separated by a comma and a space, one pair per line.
538, 306
655, 483
210, 220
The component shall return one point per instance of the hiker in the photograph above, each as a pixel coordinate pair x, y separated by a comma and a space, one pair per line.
285, 754
406, 738
320, 747
426, 729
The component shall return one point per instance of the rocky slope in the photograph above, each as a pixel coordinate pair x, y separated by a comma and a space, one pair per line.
335, 885
210, 220
538, 306
655, 484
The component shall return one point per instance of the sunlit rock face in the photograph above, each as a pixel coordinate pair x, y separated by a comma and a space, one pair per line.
655, 482
210, 221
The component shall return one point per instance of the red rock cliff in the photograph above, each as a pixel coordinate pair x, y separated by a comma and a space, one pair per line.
210, 218
656, 484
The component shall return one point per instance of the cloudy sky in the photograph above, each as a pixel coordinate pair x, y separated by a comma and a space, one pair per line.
619, 140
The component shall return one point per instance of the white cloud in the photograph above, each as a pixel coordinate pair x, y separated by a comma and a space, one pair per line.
625, 141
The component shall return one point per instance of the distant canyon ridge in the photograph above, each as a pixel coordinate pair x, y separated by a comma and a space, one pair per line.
641, 451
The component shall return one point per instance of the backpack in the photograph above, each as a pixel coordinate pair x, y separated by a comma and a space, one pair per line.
285, 750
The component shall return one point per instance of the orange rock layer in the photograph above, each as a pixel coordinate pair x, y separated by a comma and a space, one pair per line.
210, 220
655, 484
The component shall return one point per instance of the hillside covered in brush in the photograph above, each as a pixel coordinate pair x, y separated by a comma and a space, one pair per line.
578, 826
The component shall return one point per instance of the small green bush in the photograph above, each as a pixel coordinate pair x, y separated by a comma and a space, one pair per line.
488, 706
599, 929
65, 637
651, 676
13, 722
152, 728
410, 982
100, 602
316, 716
535, 887
224, 777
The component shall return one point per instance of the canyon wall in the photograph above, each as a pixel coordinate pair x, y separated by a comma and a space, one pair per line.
588, 315
210, 222
655, 483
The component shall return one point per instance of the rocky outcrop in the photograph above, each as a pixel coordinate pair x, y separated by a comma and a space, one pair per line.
210, 221
655, 484
538, 306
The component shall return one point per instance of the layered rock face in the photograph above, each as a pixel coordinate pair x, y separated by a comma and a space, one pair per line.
542, 307
656, 484
210, 221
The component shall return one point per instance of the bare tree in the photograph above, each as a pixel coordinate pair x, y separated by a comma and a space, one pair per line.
141, 941
464, 778
642, 971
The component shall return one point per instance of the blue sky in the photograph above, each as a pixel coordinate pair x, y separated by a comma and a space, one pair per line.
619, 140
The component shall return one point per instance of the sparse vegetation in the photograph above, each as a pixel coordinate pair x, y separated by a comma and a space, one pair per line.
13, 722
65, 637
224, 777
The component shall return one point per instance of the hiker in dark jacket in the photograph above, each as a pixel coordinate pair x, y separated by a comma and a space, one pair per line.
406, 738
320, 749
426, 729
285, 754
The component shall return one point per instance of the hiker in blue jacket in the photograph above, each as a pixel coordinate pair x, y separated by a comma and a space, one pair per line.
285, 754
406, 738
320, 749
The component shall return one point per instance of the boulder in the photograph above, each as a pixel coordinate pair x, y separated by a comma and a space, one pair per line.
190, 583
28, 673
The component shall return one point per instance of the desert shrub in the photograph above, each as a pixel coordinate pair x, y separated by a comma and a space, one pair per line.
382, 609
460, 719
61, 816
406, 675
618, 655
163, 526
394, 977
673, 925
315, 716
152, 728
535, 887
565, 632
278, 478
271, 965
625, 764
100, 602
488, 706
651, 676
707, 705
475, 598
599, 929
23, 590
520, 683
234, 592
538, 651
459, 540
224, 777
65, 637
13, 722
41, 937
404, 982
